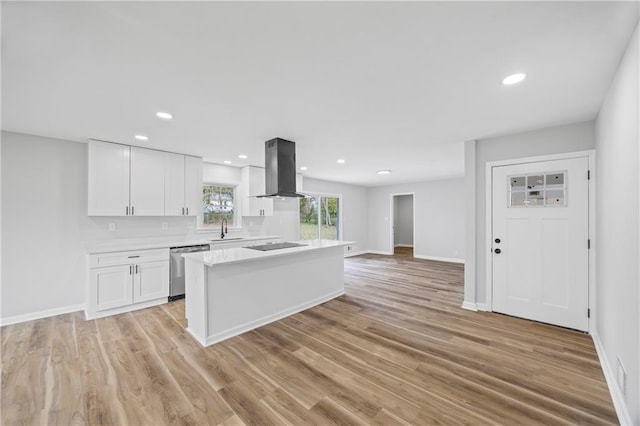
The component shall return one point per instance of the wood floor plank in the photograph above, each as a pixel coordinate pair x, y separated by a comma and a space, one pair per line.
396, 349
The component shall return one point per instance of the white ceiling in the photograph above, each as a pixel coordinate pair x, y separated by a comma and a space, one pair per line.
395, 85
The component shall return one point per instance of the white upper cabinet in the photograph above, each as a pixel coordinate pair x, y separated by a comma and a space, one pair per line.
147, 182
108, 179
182, 185
132, 181
174, 184
192, 185
253, 184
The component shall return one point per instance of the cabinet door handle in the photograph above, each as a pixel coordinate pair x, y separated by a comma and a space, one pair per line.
131, 210
130, 269
187, 211
136, 269
183, 211
127, 211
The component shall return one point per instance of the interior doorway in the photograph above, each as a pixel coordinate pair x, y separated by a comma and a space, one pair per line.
402, 224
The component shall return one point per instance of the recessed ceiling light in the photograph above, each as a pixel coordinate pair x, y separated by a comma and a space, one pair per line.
142, 137
384, 172
164, 115
242, 156
227, 162
303, 168
341, 161
514, 78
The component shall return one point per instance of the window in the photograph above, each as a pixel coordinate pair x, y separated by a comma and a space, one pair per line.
320, 217
218, 202
538, 190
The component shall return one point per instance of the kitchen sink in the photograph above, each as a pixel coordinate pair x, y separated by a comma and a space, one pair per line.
228, 239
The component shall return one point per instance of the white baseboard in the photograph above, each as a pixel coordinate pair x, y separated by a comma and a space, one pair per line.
41, 314
121, 310
624, 417
355, 253
403, 245
243, 328
482, 307
469, 306
384, 253
439, 259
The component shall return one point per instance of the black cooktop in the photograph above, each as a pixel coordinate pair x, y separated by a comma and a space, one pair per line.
275, 246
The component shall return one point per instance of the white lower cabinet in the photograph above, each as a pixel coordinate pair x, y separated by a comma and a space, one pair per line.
150, 281
112, 287
124, 281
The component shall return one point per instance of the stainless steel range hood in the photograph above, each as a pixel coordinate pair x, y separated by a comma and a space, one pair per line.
280, 169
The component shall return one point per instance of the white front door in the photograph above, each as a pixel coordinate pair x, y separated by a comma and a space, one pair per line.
539, 241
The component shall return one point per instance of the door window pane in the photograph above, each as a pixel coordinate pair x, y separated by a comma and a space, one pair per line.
517, 182
518, 198
309, 218
535, 182
319, 218
555, 197
329, 218
538, 190
535, 198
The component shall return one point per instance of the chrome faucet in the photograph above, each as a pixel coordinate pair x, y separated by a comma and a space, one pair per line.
223, 228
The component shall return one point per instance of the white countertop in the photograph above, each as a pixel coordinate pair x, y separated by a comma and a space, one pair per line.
152, 243
241, 254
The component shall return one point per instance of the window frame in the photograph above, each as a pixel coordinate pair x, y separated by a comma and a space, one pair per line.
237, 222
313, 194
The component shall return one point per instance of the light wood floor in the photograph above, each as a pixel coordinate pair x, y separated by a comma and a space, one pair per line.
396, 349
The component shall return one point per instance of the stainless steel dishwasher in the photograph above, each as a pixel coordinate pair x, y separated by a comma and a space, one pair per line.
176, 269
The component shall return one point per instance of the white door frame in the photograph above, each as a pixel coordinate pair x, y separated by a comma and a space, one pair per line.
391, 220
591, 156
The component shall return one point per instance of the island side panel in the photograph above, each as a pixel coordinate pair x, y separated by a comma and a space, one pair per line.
195, 299
244, 296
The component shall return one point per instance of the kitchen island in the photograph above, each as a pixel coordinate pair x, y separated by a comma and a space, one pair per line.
231, 291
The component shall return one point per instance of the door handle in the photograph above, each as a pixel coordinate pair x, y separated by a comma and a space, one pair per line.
497, 251
131, 210
187, 211
183, 211
127, 211
130, 269
136, 269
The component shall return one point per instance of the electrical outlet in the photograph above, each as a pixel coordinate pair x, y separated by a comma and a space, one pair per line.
621, 376
112, 227
165, 226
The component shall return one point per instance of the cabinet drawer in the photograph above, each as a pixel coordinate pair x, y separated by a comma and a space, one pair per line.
127, 257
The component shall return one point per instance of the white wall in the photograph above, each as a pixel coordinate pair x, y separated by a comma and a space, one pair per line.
569, 138
618, 225
354, 209
46, 227
439, 218
403, 220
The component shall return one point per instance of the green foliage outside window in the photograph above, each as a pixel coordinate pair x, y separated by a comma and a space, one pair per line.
218, 202
328, 218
